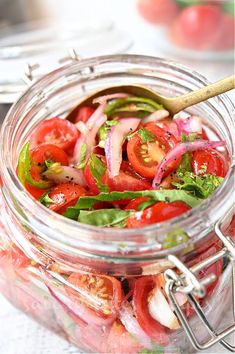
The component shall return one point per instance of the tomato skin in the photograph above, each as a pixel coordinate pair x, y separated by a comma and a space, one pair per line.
198, 27
56, 131
135, 152
44, 152
158, 11
160, 211
142, 289
34, 191
84, 114
65, 195
213, 159
105, 288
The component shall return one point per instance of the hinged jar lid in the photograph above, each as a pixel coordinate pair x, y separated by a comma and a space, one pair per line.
36, 48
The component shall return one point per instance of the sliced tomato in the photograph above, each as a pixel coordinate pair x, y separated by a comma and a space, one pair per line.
101, 294
161, 211
65, 195
209, 161
125, 181
120, 341
40, 154
135, 203
56, 131
142, 290
84, 114
144, 157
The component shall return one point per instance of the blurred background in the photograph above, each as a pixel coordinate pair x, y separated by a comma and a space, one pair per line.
198, 33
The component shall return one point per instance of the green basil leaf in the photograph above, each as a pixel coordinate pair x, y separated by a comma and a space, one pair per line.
98, 169
131, 104
104, 217
71, 213
49, 163
146, 204
190, 137
103, 131
185, 164
46, 200
165, 195
24, 165
198, 186
83, 152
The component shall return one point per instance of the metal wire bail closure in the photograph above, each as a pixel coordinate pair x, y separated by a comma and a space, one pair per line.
187, 283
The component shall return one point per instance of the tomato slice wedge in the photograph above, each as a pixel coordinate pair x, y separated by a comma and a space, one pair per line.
57, 131
101, 294
161, 211
213, 161
142, 289
65, 195
135, 203
144, 157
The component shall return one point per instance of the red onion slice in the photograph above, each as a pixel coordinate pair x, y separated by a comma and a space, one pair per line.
189, 125
179, 150
82, 127
161, 311
132, 326
60, 174
88, 136
156, 116
114, 142
104, 99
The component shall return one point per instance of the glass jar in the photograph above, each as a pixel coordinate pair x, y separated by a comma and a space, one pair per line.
197, 29
53, 268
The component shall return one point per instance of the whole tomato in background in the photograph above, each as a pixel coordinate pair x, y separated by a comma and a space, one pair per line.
158, 11
193, 24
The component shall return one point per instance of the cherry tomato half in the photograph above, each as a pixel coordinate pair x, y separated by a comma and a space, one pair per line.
158, 11
161, 211
198, 26
101, 294
213, 161
65, 195
44, 152
84, 114
57, 131
135, 203
142, 289
144, 157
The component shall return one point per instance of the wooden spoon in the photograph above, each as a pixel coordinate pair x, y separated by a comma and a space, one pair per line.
173, 105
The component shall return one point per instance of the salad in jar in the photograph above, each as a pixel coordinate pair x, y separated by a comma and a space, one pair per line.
120, 162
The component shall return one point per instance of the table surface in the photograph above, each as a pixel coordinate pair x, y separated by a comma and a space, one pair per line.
18, 333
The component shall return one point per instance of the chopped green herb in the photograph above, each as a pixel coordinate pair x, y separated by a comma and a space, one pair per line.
83, 152
71, 213
104, 217
103, 131
46, 200
49, 163
146, 136
185, 164
190, 137
198, 186
98, 169
154, 350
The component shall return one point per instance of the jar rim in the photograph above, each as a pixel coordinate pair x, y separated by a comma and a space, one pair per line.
10, 179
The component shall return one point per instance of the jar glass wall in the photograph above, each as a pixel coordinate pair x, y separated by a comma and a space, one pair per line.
53, 268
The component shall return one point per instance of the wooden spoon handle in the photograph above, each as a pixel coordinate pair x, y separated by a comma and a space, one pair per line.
189, 99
